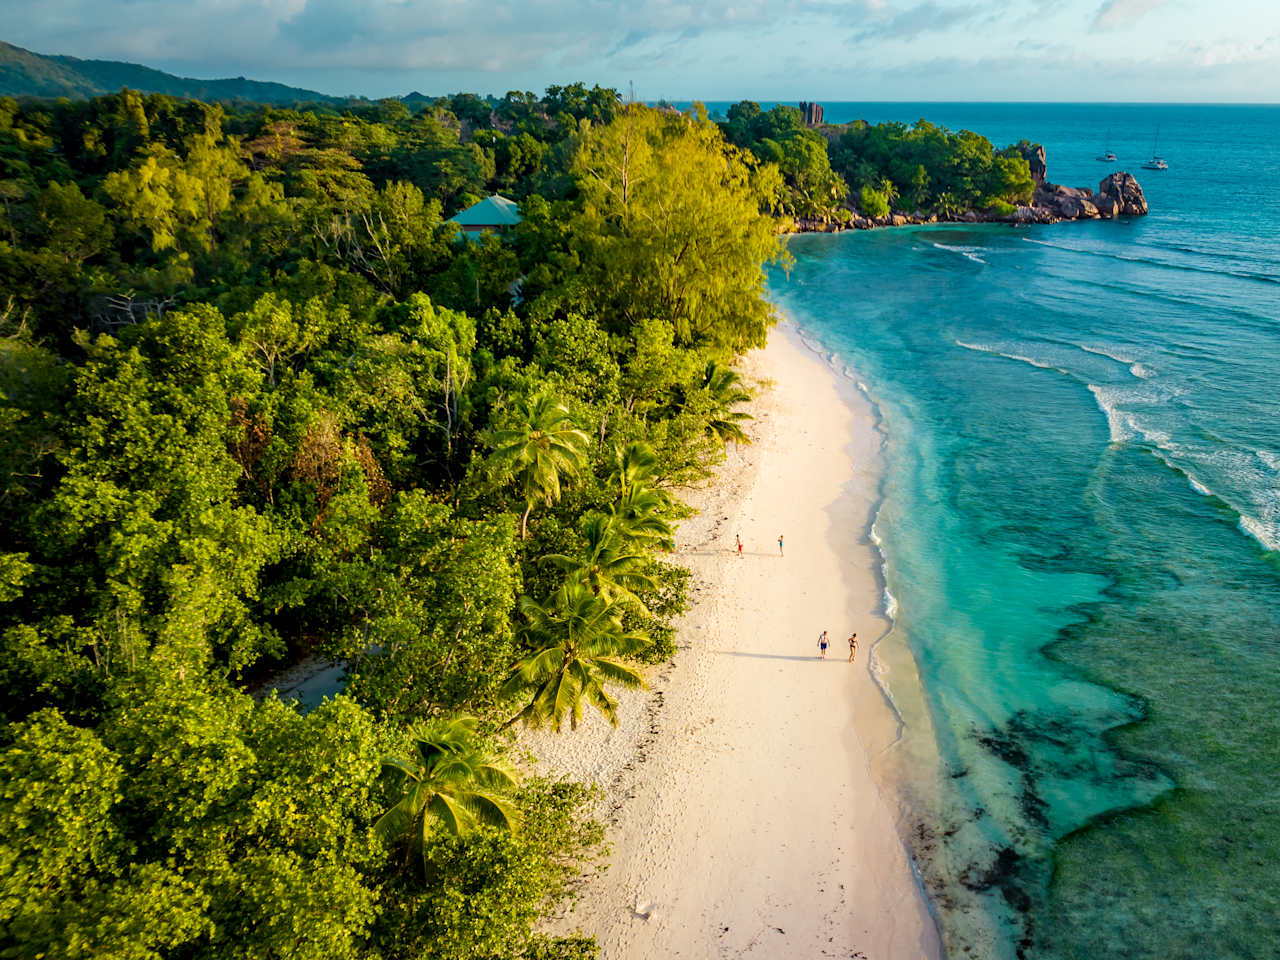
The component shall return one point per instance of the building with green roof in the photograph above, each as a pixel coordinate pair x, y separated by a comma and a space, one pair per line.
493, 213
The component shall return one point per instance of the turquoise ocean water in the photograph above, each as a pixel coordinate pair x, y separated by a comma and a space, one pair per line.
1080, 528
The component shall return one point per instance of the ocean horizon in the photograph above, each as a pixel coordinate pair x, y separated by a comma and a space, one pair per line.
1080, 529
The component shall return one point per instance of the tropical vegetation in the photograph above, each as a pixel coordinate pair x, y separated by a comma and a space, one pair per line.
882, 167
262, 408
928, 168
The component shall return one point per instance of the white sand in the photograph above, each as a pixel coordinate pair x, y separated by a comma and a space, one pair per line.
743, 814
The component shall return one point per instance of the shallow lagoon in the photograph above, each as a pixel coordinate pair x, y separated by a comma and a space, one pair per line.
1080, 521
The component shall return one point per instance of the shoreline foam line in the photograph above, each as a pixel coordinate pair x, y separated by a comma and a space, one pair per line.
876, 667
743, 811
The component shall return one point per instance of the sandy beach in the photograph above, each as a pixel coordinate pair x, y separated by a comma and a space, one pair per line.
743, 814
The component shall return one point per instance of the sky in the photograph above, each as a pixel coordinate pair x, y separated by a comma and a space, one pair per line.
861, 50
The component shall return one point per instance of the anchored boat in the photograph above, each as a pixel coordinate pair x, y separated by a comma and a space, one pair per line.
1107, 155
1156, 162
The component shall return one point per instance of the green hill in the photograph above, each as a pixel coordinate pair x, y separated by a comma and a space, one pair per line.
27, 74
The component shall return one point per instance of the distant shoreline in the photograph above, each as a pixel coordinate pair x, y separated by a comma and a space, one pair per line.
968, 218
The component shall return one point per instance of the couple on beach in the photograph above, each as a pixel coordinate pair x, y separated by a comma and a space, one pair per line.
738, 538
823, 643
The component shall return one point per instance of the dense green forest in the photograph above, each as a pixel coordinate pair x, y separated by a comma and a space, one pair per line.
261, 402
929, 168
29, 74
881, 167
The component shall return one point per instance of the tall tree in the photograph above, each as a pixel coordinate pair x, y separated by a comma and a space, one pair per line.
577, 637
713, 395
609, 564
450, 781
640, 511
140, 839
671, 227
543, 447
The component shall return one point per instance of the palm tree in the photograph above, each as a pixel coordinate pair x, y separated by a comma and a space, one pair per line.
639, 510
889, 189
633, 464
610, 567
639, 514
450, 781
726, 390
576, 636
544, 447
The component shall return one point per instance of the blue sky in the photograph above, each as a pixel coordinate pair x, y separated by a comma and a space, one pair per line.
1082, 50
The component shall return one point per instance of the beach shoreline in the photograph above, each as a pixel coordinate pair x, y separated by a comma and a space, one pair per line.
740, 792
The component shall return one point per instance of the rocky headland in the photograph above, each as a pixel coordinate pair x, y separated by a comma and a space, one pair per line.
1118, 195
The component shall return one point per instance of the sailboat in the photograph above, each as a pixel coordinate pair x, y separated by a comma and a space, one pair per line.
1108, 156
1156, 162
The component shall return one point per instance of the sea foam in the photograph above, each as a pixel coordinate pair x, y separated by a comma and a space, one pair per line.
1119, 426
996, 351
890, 604
1111, 353
1271, 459
1247, 491
1267, 534
969, 253
1135, 365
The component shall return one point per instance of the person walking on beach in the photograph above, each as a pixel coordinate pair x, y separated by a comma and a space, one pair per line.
822, 645
738, 537
780, 545
853, 646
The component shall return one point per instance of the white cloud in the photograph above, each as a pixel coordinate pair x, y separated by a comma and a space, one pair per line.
420, 35
1114, 14
1229, 52
926, 17
841, 49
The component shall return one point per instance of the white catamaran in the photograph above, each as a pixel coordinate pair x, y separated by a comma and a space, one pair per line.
1156, 162
1107, 155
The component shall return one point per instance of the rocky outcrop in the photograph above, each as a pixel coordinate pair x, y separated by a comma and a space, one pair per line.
1065, 203
1119, 195
1034, 155
1024, 215
812, 113
1126, 196
1108, 207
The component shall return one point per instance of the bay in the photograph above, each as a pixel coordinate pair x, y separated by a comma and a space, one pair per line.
1080, 525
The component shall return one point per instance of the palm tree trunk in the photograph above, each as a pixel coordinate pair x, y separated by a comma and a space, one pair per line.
524, 521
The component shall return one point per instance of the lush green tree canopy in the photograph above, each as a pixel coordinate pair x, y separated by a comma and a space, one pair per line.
265, 413
927, 167
669, 227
